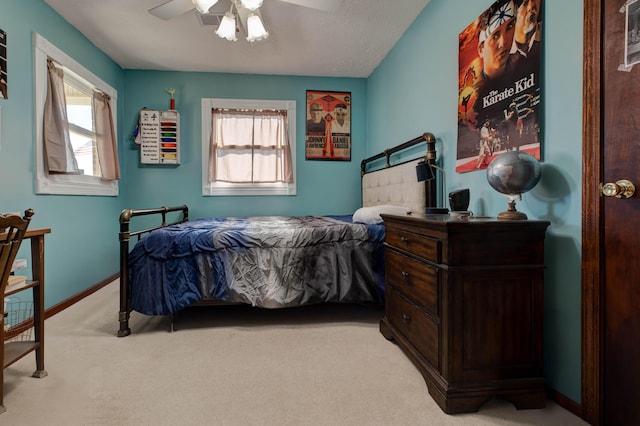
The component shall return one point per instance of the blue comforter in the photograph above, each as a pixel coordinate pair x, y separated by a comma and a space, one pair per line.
270, 262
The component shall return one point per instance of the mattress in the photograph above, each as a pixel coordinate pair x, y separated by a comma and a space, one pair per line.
270, 262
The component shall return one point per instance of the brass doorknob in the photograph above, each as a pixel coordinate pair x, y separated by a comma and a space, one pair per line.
620, 189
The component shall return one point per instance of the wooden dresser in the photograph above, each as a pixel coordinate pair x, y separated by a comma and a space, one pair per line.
464, 301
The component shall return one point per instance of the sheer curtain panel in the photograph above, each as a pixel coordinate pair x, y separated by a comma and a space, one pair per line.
250, 146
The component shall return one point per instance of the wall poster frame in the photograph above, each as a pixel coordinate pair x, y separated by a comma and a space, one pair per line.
632, 33
328, 126
499, 76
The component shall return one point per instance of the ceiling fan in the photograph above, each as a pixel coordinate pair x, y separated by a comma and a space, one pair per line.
247, 13
174, 8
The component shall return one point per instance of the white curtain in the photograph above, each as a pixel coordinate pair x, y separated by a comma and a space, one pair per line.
250, 146
106, 141
58, 152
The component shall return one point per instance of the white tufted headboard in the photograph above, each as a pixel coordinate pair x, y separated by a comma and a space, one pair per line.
398, 184
395, 185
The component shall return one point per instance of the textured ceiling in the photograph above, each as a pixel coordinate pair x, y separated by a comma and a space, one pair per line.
350, 42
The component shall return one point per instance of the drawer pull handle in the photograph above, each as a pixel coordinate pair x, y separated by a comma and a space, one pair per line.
404, 240
405, 318
405, 275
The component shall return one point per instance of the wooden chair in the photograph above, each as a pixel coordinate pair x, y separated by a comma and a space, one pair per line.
12, 231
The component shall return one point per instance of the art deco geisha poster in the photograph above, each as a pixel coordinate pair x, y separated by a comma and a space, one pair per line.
499, 84
328, 131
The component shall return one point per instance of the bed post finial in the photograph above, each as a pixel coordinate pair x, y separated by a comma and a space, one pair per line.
430, 139
125, 215
428, 136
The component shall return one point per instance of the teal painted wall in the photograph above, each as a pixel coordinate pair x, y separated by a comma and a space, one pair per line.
324, 187
415, 90
82, 248
412, 91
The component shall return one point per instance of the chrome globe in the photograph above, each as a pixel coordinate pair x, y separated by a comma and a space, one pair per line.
513, 173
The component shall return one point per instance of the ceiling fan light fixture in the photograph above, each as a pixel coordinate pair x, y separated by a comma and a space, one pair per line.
251, 4
255, 29
203, 6
227, 28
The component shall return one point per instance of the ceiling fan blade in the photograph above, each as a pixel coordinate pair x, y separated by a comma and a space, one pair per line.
171, 9
325, 5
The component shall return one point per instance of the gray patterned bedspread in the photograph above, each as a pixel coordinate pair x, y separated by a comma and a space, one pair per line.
269, 262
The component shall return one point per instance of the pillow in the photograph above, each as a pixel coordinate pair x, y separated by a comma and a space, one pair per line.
372, 214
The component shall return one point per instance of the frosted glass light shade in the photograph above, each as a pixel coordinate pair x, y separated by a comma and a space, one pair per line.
203, 6
255, 29
251, 4
227, 28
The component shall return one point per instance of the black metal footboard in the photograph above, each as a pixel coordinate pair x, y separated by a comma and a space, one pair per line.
125, 236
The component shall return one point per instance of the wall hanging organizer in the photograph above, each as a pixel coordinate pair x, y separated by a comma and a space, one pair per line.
159, 136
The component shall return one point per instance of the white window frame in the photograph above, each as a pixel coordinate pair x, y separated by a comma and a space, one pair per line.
62, 184
225, 188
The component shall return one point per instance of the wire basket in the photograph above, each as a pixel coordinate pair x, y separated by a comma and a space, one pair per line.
18, 321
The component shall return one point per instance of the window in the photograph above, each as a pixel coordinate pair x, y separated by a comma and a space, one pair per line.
248, 147
81, 131
81, 89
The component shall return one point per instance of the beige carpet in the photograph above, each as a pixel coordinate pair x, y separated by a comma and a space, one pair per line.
321, 365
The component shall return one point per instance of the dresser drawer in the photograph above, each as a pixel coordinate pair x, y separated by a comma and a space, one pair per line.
420, 245
416, 280
414, 324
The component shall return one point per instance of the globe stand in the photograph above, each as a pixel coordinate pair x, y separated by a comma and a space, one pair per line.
512, 213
